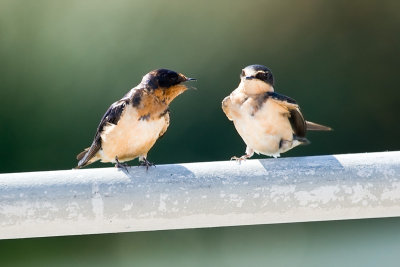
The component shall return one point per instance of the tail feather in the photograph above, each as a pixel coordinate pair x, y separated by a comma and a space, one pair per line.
312, 126
82, 154
81, 157
301, 140
85, 158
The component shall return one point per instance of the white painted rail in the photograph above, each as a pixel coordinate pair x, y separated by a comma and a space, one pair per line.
208, 194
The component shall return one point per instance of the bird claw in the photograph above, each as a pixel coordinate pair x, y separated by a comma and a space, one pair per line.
240, 159
146, 163
121, 165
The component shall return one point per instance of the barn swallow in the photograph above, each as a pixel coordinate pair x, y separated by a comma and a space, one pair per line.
269, 123
132, 125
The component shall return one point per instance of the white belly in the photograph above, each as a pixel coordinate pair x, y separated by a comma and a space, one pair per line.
131, 137
264, 131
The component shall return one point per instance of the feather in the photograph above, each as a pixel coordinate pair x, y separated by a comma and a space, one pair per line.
111, 116
312, 126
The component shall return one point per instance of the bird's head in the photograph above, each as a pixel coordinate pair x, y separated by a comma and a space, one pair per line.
166, 84
257, 79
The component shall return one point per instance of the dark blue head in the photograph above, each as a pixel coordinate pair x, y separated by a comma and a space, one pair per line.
258, 72
163, 78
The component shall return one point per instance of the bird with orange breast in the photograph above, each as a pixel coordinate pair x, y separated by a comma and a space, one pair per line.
131, 126
269, 123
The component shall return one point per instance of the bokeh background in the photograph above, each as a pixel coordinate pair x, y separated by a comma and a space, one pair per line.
62, 63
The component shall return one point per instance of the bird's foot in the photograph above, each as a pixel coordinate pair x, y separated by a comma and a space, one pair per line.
146, 163
121, 165
240, 159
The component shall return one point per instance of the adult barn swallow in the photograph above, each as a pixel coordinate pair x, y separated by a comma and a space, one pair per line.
132, 125
269, 123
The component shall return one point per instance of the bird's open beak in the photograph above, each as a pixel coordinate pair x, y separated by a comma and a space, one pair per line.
183, 78
190, 79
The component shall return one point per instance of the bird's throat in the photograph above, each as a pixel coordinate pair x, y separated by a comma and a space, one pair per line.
255, 87
168, 94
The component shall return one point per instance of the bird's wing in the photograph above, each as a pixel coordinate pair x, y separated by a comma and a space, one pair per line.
165, 114
296, 118
111, 116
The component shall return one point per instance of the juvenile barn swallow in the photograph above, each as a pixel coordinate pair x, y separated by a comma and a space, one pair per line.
132, 125
269, 123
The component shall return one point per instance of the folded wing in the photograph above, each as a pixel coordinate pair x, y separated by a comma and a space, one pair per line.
111, 116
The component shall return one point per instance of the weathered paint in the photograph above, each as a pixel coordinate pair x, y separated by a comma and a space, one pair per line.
195, 195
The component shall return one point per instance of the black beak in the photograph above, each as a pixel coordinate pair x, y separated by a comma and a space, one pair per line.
191, 79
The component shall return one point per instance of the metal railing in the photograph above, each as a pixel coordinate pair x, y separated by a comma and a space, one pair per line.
208, 194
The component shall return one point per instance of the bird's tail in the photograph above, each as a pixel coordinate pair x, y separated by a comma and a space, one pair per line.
81, 159
85, 158
82, 154
301, 140
311, 126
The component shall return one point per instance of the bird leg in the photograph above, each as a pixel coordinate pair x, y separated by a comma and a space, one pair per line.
121, 165
241, 158
249, 154
144, 162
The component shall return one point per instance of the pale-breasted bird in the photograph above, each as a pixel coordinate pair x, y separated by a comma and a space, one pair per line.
132, 125
269, 123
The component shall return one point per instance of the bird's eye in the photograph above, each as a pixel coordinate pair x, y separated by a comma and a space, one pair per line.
261, 76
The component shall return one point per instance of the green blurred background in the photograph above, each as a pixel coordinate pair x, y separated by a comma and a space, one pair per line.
62, 63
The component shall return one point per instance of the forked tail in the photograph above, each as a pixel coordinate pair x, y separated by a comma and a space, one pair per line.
311, 126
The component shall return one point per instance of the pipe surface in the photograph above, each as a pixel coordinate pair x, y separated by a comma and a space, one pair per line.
193, 195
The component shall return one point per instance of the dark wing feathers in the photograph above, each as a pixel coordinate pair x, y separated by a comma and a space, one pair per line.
298, 123
91, 152
280, 97
312, 126
82, 154
296, 118
112, 116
